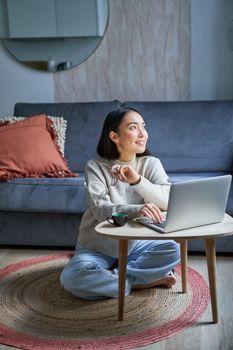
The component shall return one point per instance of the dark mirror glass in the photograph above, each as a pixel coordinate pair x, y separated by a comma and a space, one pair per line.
52, 35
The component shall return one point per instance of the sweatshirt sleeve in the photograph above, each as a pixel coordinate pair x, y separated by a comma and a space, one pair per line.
98, 197
154, 186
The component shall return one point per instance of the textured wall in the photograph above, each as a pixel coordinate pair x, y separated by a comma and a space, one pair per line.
145, 55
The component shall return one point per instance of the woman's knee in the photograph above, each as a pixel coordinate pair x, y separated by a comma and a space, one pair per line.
168, 246
172, 249
90, 281
74, 274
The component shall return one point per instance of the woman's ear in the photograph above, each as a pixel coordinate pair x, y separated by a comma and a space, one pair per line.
113, 136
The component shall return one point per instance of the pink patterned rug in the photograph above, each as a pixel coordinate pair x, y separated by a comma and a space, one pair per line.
36, 313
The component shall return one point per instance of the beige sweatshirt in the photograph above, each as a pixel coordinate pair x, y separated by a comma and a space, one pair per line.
106, 196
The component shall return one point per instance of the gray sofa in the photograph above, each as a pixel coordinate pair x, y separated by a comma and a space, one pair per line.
192, 139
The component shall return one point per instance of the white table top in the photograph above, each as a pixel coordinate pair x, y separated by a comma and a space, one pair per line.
134, 230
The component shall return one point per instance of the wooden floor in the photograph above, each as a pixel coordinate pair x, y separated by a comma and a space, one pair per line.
202, 336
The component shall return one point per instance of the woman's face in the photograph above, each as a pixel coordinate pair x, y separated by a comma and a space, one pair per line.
131, 137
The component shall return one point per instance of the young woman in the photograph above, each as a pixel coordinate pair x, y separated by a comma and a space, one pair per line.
123, 178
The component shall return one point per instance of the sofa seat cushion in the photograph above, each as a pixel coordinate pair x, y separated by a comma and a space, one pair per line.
66, 195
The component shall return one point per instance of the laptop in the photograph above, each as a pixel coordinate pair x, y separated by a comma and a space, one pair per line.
193, 203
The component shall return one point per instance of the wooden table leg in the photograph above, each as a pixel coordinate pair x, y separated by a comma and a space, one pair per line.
184, 259
123, 256
211, 264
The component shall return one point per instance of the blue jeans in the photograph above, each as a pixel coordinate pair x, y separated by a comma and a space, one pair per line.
91, 275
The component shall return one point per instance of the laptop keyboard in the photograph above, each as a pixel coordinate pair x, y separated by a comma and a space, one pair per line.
162, 224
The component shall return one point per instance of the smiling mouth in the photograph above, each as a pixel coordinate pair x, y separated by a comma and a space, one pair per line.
140, 143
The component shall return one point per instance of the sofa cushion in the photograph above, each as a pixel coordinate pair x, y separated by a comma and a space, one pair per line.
53, 195
58, 124
194, 136
27, 149
84, 124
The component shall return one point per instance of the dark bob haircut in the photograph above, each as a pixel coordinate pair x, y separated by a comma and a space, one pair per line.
106, 148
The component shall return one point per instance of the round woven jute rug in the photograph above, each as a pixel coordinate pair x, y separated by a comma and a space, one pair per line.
36, 313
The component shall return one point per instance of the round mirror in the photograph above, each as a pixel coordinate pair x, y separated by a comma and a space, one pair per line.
52, 35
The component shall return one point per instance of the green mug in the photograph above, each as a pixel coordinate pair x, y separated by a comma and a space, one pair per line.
118, 219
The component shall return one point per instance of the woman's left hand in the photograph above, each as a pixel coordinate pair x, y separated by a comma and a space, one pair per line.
151, 211
125, 173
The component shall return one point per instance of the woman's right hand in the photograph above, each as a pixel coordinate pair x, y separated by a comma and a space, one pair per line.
151, 211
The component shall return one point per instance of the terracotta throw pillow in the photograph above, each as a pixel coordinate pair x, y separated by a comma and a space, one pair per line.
59, 126
28, 149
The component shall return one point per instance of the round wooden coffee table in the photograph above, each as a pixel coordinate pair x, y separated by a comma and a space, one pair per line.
133, 230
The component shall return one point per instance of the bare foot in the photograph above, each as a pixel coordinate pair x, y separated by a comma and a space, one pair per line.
167, 281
